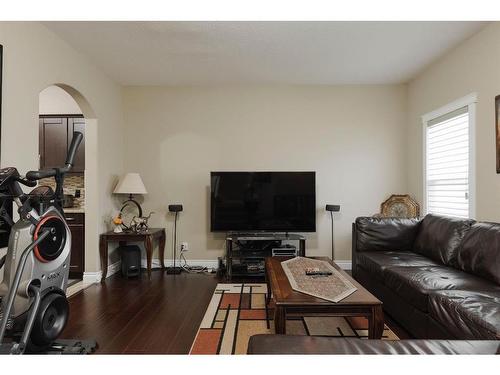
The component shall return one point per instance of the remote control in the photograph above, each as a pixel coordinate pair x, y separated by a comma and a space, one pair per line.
318, 273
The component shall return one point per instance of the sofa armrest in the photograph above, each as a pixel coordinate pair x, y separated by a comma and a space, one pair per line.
384, 234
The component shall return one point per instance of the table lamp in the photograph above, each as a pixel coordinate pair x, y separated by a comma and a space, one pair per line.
131, 183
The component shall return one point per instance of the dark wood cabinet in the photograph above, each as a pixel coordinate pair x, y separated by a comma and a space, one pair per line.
54, 142
56, 133
76, 223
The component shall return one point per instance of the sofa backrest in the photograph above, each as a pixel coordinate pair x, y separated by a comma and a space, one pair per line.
385, 234
479, 252
439, 238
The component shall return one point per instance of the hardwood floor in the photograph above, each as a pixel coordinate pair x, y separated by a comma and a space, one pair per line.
140, 316
160, 316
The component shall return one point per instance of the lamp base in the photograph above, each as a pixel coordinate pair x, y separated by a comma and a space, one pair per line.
132, 200
174, 270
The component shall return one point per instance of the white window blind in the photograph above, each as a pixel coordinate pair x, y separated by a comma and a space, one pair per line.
447, 164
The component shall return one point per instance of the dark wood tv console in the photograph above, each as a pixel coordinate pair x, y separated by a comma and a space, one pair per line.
236, 258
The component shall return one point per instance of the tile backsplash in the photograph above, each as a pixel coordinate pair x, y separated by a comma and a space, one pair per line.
71, 184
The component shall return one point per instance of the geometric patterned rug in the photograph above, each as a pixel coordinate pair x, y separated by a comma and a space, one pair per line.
238, 311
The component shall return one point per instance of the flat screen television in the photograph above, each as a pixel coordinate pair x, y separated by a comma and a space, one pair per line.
263, 201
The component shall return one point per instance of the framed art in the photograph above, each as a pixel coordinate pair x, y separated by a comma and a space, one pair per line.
497, 129
400, 205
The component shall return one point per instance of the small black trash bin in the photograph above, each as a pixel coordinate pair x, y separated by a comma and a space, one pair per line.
131, 260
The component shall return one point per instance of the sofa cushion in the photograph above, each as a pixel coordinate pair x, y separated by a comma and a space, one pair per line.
382, 234
439, 238
375, 262
479, 252
467, 314
414, 284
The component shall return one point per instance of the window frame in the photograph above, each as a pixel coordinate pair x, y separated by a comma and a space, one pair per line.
470, 102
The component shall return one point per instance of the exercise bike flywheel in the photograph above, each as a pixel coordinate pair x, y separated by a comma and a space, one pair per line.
53, 245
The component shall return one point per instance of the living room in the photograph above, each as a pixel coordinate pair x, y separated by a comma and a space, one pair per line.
285, 186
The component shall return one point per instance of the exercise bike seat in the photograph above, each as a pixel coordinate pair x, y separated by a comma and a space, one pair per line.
7, 175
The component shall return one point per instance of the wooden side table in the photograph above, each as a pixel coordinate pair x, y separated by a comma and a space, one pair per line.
124, 237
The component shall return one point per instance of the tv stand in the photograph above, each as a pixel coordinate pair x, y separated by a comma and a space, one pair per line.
255, 251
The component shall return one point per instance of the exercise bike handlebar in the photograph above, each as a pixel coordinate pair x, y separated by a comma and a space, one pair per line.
75, 143
26, 182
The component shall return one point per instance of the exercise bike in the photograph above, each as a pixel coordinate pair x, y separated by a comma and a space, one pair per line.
34, 309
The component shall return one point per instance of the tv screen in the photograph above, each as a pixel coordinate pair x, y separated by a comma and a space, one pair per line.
263, 201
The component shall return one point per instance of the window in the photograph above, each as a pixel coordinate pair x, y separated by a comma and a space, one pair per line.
448, 164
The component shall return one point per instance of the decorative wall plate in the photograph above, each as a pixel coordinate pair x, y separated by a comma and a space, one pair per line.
400, 206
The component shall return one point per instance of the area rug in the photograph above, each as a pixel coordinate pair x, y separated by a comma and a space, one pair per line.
238, 311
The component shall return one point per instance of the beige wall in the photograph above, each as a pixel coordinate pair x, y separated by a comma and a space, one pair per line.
55, 101
35, 58
353, 137
471, 67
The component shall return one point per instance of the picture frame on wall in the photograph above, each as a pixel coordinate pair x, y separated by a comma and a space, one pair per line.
497, 129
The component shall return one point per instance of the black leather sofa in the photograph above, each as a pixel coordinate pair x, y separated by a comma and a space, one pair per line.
282, 344
438, 277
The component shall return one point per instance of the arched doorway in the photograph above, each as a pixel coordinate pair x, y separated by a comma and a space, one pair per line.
63, 110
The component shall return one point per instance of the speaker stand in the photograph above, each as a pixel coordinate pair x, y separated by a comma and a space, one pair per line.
333, 246
174, 270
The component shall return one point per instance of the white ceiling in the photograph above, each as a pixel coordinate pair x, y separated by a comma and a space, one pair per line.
200, 53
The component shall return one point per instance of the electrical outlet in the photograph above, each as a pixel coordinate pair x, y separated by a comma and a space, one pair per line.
184, 246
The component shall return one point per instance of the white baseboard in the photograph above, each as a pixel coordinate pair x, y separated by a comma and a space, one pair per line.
209, 263
92, 277
213, 263
344, 264
95, 277
114, 268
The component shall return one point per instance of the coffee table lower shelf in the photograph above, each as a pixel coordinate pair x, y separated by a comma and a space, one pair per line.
374, 315
288, 301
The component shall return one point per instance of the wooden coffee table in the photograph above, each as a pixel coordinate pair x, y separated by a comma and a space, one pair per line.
288, 301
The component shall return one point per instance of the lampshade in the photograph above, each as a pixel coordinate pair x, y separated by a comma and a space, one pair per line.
130, 183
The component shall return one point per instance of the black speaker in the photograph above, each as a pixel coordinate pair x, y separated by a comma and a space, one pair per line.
175, 207
332, 207
131, 260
